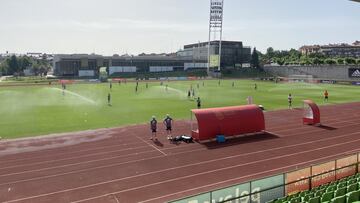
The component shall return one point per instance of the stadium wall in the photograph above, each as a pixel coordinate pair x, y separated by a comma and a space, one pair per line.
321, 72
280, 185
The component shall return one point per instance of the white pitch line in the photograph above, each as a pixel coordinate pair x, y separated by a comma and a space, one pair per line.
152, 146
178, 167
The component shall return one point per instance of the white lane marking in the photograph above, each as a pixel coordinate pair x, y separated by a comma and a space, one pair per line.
151, 145
242, 177
174, 168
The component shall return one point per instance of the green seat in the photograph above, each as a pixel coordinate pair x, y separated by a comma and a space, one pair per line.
327, 196
352, 187
323, 186
303, 193
341, 199
353, 196
351, 181
280, 200
331, 188
308, 197
319, 193
342, 184
340, 192
314, 200
295, 200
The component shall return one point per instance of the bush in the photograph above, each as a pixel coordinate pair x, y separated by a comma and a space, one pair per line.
330, 61
340, 61
350, 60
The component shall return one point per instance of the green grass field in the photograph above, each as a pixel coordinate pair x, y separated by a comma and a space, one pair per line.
40, 110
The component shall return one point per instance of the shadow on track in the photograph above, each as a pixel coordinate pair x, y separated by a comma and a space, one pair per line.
241, 140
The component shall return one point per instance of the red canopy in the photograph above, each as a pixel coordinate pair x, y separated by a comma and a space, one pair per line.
228, 121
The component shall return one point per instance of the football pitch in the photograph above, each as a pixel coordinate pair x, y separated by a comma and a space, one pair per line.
40, 110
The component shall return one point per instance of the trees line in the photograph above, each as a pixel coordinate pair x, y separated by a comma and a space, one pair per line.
16, 65
294, 57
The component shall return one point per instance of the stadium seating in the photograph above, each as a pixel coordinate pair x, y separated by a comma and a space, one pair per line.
346, 190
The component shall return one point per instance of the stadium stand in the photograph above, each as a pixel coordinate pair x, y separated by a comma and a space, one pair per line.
346, 190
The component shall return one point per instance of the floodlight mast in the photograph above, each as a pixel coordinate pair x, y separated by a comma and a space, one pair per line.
215, 26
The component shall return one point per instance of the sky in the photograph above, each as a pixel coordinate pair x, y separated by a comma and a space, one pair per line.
153, 26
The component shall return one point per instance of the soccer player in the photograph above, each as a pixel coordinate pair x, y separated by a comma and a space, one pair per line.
168, 124
255, 86
290, 101
326, 95
153, 128
233, 84
110, 86
109, 99
198, 103
189, 94
136, 89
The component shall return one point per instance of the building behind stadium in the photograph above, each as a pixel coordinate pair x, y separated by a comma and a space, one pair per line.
333, 50
192, 57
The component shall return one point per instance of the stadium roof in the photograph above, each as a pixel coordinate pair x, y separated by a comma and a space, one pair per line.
356, 0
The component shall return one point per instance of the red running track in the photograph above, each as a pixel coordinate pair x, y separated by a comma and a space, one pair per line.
124, 165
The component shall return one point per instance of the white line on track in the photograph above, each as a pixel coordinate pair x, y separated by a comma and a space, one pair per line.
216, 170
72, 152
151, 145
242, 177
179, 167
71, 158
75, 164
134, 161
52, 161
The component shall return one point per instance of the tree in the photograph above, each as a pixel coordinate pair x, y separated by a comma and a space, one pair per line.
330, 61
280, 61
316, 61
4, 67
340, 61
13, 65
270, 52
255, 59
24, 62
350, 60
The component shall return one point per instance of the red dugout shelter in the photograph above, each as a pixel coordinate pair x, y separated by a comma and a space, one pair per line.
228, 121
311, 113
